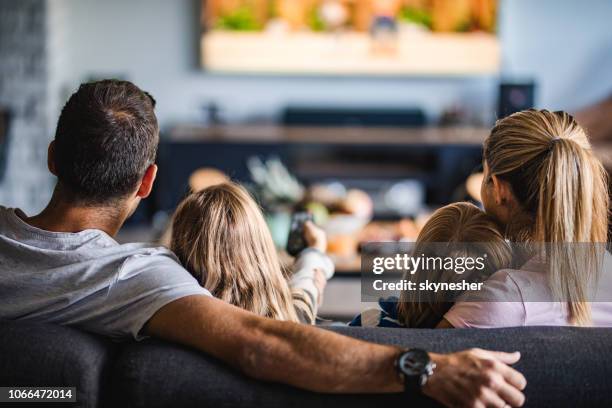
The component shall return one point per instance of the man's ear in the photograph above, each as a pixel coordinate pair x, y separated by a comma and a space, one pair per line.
51, 158
146, 185
502, 192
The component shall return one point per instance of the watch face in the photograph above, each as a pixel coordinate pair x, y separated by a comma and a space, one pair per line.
415, 362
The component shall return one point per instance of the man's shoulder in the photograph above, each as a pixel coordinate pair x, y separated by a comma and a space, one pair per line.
5, 212
10, 224
139, 257
8, 211
147, 253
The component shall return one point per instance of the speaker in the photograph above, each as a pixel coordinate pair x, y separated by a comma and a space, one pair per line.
515, 97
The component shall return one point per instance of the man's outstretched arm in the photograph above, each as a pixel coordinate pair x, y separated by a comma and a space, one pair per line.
322, 361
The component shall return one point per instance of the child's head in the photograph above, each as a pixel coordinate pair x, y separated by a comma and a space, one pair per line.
471, 233
220, 236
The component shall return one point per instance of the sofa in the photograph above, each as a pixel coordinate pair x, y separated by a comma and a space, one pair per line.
565, 367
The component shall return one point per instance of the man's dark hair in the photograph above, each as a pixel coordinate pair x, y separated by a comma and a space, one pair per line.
106, 138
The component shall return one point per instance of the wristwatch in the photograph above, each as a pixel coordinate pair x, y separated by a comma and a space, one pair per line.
414, 368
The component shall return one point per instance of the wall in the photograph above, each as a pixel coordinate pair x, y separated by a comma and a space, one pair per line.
155, 44
566, 45
23, 90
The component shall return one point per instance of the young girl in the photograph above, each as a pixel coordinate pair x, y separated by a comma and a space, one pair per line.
219, 234
459, 230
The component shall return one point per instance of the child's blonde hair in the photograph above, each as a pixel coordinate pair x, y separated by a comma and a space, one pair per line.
220, 235
465, 231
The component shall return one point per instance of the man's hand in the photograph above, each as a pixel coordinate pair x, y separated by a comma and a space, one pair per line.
476, 378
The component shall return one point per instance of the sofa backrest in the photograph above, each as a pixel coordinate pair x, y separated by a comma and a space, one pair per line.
45, 355
565, 367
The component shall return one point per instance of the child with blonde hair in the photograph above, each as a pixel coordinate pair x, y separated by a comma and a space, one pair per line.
459, 230
219, 234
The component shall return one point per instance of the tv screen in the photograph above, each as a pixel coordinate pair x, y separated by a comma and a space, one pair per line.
350, 37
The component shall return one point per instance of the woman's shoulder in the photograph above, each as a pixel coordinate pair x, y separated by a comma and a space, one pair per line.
499, 303
504, 285
528, 282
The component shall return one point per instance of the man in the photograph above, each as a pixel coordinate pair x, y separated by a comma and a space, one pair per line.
63, 266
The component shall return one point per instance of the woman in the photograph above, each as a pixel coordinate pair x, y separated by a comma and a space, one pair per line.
459, 230
545, 186
219, 234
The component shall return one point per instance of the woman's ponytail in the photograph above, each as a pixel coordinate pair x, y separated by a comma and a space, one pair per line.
569, 181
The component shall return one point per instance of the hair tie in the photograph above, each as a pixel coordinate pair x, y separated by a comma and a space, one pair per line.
553, 141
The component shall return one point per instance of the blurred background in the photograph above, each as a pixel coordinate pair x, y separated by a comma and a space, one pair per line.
368, 113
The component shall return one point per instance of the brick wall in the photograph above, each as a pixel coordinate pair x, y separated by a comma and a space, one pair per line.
24, 81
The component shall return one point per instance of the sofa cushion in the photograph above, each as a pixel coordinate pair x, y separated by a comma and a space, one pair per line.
564, 367
34, 354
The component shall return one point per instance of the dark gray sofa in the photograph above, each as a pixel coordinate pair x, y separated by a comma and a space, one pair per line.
565, 367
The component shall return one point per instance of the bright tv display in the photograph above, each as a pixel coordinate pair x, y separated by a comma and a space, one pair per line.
350, 37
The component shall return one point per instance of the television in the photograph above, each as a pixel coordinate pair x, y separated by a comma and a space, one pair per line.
350, 37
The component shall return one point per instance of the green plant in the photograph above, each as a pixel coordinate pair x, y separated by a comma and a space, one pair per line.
416, 16
315, 22
274, 186
242, 19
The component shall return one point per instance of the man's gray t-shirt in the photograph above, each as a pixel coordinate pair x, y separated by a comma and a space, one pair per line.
85, 279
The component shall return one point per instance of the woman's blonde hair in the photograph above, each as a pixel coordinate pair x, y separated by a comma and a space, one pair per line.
562, 191
220, 235
457, 230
